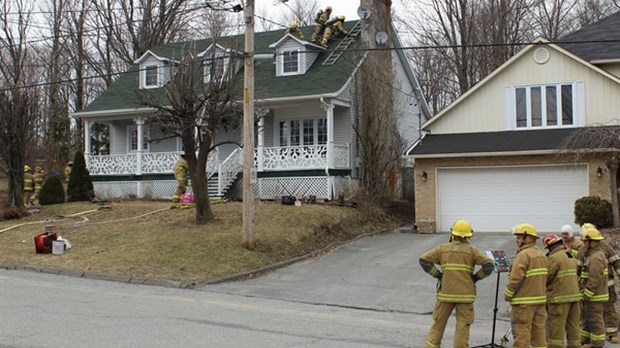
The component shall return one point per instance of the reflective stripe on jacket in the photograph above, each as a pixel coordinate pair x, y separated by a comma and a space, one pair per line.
593, 282
457, 260
528, 277
562, 281
28, 182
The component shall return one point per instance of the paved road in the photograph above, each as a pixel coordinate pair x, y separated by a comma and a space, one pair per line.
369, 293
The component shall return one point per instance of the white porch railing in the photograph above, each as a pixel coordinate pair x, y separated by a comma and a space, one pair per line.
266, 159
302, 157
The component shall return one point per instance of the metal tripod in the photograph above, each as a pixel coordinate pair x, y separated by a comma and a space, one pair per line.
493, 344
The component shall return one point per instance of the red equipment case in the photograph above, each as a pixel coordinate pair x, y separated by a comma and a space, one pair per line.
43, 242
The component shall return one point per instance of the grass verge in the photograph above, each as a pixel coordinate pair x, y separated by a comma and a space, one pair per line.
147, 240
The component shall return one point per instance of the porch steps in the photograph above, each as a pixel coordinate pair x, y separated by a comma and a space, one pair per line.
344, 44
212, 188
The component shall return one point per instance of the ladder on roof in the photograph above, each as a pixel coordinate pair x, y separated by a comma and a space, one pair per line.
344, 44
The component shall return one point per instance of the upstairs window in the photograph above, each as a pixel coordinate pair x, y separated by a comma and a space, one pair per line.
545, 105
151, 76
290, 62
215, 68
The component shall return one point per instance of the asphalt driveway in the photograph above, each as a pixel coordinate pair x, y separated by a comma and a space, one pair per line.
381, 273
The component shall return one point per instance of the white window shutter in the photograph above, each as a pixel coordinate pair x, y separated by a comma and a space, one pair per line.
510, 121
580, 104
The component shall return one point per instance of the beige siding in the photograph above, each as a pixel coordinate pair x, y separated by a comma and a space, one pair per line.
612, 68
484, 109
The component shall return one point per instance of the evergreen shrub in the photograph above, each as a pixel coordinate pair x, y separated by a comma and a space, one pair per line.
594, 210
52, 191
80, 186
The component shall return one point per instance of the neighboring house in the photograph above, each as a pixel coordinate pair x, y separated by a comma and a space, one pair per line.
305, 141
491, 156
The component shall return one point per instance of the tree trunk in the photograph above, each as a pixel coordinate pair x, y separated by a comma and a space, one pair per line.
204, 214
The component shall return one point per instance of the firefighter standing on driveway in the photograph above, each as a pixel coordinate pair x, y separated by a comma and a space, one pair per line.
563, 295
456, 280
526, 290
321, 18
613, 260
593, 284
180, 174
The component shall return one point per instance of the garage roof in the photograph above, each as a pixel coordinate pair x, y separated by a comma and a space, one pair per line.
491, 142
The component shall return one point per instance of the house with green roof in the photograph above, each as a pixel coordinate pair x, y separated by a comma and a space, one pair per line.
305, 139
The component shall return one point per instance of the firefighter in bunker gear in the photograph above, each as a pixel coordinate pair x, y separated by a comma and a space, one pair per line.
593, 285
613, 260
333, 25
180, 174
319, 23
456, 289
39, 178
526, 290
294, 30
571, 243
28, 184
563, 296
68, 169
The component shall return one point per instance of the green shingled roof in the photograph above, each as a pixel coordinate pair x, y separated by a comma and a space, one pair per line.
318, 80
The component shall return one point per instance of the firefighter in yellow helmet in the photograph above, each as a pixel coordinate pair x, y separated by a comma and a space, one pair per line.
526, 290
563, 296
593, 285
319, 23
39, 178
294, 30
613, 260
333, 25
456, 283
28, 184
180, 174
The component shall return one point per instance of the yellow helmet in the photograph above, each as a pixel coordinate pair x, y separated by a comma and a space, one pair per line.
586, 226
592, 234
341, 18
525, 229
462, 228
26, 168
294, 24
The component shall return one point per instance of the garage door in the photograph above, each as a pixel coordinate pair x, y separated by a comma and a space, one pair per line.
495, 199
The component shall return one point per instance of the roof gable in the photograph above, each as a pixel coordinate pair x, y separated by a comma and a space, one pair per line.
304, 43
513, 60
149, 54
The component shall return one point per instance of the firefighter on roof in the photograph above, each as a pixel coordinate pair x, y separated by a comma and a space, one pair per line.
333, 25
319, 23
294, 30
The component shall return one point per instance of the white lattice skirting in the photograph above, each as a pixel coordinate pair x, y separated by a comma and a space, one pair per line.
267, 188
155, 189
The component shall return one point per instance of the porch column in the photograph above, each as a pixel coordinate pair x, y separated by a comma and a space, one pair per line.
87, 144
329, 109
139, 121
261, 143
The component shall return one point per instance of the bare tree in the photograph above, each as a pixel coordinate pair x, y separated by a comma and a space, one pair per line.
597, 140
553, 18
18, 102
192, 109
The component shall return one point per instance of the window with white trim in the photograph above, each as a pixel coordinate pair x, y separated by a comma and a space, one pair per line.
151, 76
290, 62
310, 131
551, 105
132, 138
215, 68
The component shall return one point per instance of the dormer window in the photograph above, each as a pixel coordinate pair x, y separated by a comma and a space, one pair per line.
151, 76
290, 62
215, 68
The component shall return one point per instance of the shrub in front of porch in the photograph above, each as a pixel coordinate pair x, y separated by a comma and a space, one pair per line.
80, 186
52, 191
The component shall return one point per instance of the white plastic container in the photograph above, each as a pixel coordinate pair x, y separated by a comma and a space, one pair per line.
58, 247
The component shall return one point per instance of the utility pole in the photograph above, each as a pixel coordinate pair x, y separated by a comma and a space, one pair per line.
249, 171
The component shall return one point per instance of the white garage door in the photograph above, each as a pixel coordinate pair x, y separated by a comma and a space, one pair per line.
495, 199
